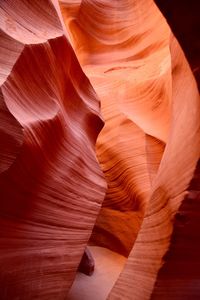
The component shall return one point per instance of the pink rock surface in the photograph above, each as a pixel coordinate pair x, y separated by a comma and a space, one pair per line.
51, 184
62, 64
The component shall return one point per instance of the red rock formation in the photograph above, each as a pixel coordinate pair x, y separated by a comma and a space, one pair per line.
51, 184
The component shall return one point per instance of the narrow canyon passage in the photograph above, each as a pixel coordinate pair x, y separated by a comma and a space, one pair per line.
99, 150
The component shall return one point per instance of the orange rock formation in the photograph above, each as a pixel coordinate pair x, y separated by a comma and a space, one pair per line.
62, 65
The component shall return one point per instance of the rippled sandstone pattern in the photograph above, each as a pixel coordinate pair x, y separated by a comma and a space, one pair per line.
51, 184
147, 149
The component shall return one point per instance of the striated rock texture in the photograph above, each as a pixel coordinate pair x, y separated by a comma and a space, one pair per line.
51, 184
54, 201
149, 146
118, 53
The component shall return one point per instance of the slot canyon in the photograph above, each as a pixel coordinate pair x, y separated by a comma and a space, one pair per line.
99, 150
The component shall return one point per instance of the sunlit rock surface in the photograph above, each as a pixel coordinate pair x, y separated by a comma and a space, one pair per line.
147, 149
63, 65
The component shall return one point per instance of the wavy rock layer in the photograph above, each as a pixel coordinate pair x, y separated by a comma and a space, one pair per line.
179, 276
175, 171
51, 184
134, 91
147, 149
